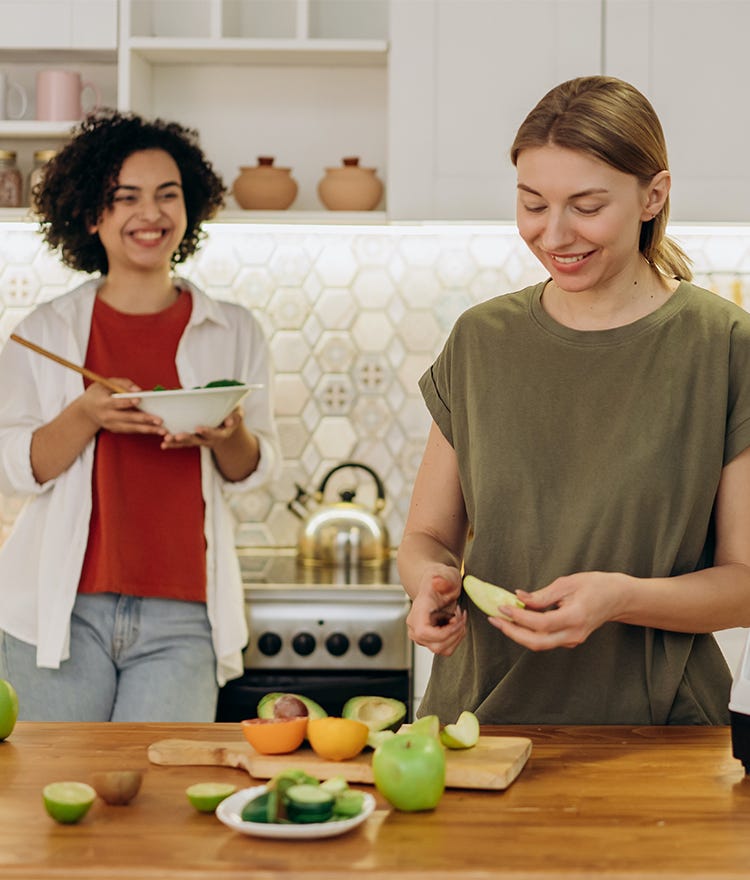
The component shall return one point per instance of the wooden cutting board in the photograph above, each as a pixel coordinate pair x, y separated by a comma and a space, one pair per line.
492, 764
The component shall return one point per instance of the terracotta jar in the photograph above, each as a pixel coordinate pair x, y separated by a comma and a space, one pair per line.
264, 187
350, 187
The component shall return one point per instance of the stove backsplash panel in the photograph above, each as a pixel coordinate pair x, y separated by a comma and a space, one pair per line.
354, 315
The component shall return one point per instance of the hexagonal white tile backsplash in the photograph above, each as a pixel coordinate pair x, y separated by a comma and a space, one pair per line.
354, 315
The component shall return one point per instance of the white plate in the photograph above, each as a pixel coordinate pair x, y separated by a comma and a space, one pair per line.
184, 409
230, 809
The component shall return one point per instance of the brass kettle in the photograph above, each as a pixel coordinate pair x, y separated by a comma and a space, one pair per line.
343, 533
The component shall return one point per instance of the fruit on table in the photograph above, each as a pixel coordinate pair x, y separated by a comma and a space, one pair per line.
275, 736
428, 724
117, 787
489, 597
280, 705
464, 734
8, 708
409, 771
337, 739
206, 796
68, 802
378, 713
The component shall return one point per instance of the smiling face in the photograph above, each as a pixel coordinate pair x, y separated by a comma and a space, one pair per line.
147, 219
582, 218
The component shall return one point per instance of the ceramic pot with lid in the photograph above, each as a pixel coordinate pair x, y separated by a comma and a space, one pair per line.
264, 187
350, 187
342, 533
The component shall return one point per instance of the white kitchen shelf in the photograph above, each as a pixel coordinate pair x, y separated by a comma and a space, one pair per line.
308, 218
43, 57
245, 51
25, 129
261, 218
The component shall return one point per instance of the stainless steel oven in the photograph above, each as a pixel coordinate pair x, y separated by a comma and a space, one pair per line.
329, 633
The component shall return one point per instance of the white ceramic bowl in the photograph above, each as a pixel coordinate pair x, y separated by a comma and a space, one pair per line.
230, 809
185, 409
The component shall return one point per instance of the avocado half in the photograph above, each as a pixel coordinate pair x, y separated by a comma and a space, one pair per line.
267, 705
378, 713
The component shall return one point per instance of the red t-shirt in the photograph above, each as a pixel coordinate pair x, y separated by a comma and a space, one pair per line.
146, 533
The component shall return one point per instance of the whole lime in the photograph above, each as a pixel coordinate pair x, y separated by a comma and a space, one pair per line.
8, 708
68, 802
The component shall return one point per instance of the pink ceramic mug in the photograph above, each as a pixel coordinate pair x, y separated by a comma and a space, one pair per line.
59, 95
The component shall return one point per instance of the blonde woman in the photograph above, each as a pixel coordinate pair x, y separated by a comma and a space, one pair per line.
589, 450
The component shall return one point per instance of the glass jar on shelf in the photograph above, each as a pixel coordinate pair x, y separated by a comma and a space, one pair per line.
11, 184
41, 157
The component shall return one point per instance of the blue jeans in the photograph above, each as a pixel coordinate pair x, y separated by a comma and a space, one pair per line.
131, 659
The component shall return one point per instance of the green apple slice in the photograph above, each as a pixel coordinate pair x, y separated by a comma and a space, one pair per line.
464, 734
488, 597
428, 724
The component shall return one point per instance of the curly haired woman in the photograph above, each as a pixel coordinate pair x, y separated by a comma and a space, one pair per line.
120, 591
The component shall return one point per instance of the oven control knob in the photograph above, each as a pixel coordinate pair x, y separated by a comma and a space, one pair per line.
303, 643
269, 643
337, 644
370, 644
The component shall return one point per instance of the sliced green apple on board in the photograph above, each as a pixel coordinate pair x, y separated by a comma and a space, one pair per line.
427, 724
489, 597
464, 734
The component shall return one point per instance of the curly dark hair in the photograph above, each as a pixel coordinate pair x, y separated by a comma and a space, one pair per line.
77, 185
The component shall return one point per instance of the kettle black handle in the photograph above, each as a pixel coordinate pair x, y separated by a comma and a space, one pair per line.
364, 467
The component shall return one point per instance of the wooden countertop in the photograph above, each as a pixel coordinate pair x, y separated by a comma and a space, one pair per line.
610, 802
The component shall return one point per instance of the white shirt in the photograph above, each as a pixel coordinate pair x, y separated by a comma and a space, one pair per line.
41, 561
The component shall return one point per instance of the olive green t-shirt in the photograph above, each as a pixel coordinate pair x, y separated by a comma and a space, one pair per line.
580, 451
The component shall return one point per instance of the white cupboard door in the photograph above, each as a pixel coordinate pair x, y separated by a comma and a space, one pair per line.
463, 74
690, 58
58, 24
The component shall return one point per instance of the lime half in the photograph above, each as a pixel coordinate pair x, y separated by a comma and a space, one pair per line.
67, 802
206, 796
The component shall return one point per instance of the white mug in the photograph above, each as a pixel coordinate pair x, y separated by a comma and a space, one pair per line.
8, 88
59, 95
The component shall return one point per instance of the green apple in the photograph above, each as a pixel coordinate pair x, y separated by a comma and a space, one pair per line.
409, 771
464, 734
8, 708
429, 724
488, 597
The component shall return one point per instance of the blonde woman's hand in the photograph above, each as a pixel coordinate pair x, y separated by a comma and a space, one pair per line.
564, 613
435, 620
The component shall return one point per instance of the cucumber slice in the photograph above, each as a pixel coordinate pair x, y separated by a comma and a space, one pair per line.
348, 804
309, 803
336, 784
262, 808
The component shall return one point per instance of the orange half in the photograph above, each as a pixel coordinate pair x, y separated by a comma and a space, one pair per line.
275, 736
337, 739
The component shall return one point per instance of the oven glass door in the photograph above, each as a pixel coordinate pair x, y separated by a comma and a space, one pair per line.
239, 698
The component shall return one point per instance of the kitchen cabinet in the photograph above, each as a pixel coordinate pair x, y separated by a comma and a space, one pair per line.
690, 58
304, 81
462, 77
464, 74
78, 35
